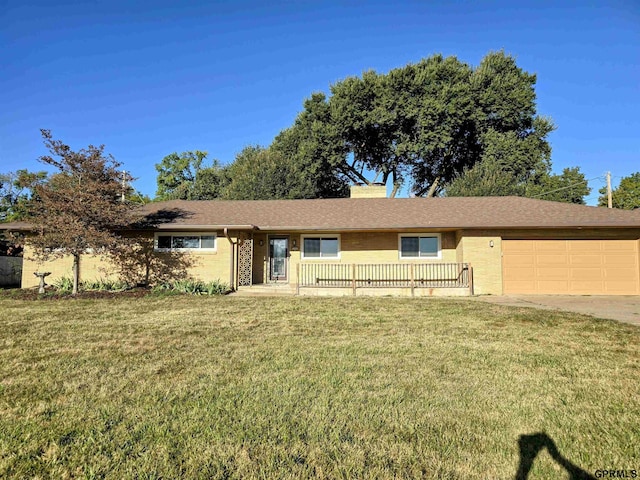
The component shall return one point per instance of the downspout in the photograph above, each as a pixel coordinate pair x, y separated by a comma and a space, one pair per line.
231, 262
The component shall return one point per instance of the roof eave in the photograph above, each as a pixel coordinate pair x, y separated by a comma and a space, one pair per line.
16, 228
361, 228
174, 226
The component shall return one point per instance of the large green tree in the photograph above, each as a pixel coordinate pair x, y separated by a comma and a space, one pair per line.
426, 123
443, 132
570, 186
260, 173
490, 178
184, 177
486, 113
16, 191
513, 155
314, 154
626, 195
484, 179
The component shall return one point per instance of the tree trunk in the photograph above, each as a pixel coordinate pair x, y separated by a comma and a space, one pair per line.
147, 273
432, 188
396, 185
353, 174
76, 273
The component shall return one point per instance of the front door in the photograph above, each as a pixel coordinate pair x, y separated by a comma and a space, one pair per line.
278, 258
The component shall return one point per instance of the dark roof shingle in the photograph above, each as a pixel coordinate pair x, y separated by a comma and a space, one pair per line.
385, 213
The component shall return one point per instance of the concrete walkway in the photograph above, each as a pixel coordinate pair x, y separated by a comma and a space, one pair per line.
622, 308
266, 290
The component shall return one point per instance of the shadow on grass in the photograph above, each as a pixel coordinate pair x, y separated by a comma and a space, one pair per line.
531, 445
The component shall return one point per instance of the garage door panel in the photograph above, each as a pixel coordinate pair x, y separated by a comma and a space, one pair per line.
622, 246
580, 267
551, 273
616, 260
585, 260
521, 246
551, 246
516, 277
617, 288
520, 261
627, 274
523, 285
587, 274
551, 260
586, 287
552, 286
584, 246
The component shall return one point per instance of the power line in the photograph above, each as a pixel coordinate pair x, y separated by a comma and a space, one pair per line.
568, 186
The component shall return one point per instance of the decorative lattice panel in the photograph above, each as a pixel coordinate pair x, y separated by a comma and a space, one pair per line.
245, 261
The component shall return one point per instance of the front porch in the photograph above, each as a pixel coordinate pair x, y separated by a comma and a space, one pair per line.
404, 279
266, 290
397, 279
293, 264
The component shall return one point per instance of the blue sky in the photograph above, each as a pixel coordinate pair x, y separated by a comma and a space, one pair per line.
150, 78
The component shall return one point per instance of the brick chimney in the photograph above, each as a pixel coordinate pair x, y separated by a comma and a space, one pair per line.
375, 190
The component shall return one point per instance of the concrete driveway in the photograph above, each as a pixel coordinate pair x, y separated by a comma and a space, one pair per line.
622, 308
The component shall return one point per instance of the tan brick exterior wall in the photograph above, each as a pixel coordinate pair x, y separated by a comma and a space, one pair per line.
206, 266
210, 266
90, 267
459, 247
260, 257
355, 247
486, 261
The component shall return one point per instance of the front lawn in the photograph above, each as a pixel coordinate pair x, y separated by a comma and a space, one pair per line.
235, 387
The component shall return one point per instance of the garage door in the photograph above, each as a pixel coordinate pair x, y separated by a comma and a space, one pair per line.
574, 267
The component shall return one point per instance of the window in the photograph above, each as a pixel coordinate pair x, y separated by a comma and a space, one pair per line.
420, 246
185, 241
320, 247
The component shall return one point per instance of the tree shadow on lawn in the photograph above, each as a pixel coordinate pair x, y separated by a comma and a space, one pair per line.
531, 445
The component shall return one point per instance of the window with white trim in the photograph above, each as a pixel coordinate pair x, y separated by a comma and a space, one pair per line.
420, 246
179, 241
320, 246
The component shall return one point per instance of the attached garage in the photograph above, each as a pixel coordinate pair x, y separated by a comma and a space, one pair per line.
571, 267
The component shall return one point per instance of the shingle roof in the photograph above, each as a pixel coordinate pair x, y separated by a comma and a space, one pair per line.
15, 226
385, 213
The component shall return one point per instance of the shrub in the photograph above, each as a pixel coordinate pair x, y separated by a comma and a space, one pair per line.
192, 287
215, 288
104, 285
65, 285
185, 286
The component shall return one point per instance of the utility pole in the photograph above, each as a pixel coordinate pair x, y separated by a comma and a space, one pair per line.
609, 197
124, 185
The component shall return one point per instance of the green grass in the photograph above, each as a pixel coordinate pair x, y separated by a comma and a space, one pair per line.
228, 387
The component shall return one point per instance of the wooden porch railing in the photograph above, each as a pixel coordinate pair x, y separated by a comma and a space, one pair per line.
385, 275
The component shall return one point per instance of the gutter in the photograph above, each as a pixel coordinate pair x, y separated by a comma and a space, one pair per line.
443, 227
170, 226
